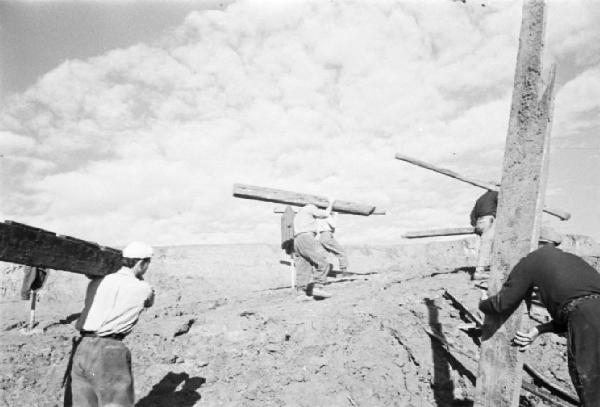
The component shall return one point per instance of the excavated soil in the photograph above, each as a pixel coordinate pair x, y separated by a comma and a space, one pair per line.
227, 330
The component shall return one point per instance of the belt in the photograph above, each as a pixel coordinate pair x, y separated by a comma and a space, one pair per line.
570, 306
91, 334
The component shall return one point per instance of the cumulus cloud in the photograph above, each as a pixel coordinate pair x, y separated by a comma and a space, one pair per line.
146, 142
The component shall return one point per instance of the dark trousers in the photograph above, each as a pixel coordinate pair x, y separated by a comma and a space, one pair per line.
584, 351
100, 374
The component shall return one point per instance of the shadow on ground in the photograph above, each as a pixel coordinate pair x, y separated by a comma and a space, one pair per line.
165, 393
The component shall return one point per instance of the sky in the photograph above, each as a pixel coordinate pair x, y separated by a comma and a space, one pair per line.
132, 120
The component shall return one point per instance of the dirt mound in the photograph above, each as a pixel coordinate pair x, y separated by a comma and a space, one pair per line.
226, 331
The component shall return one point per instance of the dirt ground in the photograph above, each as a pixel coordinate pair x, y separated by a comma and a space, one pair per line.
227, 330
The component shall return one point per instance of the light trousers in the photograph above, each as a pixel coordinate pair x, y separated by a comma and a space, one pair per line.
330, 244
310, 261
485, 227
100, 375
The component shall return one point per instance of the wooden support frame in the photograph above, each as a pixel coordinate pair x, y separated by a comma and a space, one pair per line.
490, 186
519, 208
287, 240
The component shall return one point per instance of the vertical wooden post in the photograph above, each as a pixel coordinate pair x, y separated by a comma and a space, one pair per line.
32, 309
520, 206
287, 240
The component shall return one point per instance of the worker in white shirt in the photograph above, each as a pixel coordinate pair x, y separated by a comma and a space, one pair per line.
100, 368
326, 228
310, 254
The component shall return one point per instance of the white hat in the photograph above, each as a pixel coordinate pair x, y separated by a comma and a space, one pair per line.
548, 234
137, 250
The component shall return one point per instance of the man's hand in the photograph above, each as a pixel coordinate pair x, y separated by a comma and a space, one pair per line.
525, 339
330, 207
150, 300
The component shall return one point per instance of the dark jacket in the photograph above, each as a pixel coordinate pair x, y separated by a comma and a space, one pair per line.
560, 277
486, 204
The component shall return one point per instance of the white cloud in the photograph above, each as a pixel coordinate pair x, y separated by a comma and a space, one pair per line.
578, 104
312, 96
11, 142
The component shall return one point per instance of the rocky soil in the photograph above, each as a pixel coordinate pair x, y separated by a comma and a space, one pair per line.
227, 330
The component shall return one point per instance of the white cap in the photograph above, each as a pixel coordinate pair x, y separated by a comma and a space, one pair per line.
137, 250
547, 234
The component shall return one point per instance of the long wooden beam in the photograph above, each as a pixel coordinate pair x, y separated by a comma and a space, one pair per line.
31, 246
559, 213
375, 212
520, 203
439, 232
298, 199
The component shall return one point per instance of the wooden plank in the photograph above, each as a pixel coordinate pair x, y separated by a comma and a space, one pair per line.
439, 232
298, 199
482, 184
31, 246
287, 230
519, 209
491, 186
457, 304
375, 212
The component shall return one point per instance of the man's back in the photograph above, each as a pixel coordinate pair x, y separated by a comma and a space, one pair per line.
559, 276
114, 303
306, 219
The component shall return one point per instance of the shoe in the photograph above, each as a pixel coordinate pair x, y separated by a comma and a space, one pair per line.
302, 297
320, 293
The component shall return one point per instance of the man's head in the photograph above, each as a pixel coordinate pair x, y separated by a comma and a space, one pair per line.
549, 236
137, 256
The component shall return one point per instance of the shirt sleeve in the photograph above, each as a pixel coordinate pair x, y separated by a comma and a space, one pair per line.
558, 327
332, 220
517, 287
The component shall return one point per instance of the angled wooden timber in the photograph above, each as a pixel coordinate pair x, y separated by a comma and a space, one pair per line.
520, 204
439, 232
298, 199
31, 246
490, 186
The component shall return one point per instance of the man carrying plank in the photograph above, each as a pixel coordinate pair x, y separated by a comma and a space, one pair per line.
309, 250
483, 216
326, 228
570, 289
99, 372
